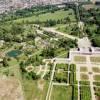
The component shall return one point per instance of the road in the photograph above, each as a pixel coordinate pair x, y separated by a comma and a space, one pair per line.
50, 84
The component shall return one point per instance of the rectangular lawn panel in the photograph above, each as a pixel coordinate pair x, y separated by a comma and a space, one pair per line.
84, 77
61, 77
75, 92
96, 77
62, 66
61, 93
96, 83
96, 69
83, 69
79, 58
84, 82
85, 93
73, 67
34, 91
72, 78
95, 59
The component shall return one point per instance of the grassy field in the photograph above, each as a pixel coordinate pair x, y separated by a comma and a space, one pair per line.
61, 93
61, 14
33, 91
85, 93
66, 28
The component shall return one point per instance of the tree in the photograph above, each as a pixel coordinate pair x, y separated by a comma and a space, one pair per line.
96, 41
5, 62
48, 52
16, 29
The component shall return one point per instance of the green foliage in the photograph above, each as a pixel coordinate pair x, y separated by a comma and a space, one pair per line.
74, 92
67, 43
61, 77
5, 62
72, 78
73, 67
85, 93
96, 41
48, 52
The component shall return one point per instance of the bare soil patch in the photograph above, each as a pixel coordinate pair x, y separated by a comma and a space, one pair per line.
10, 89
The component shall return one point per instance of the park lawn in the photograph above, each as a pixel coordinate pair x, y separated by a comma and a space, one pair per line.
61, 76
61, 14
84, 77
12, 70
32, 91
97, 91
67, 29
95, 59
85, 93
79, 58
97, 77
61, 93
62, 66
96, 69
83, 69
61, 52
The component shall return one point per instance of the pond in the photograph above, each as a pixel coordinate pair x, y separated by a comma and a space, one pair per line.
14, 53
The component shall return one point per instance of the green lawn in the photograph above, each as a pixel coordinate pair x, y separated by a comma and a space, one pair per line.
97, 77
84, 77
32, 90
61, 14
85, 93
96, 69
61, 93
83, 69
66, 28
95, 59
80, 59
61, 76
62, 66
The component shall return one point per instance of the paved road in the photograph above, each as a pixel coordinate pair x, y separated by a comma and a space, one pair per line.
50, 84
45, 70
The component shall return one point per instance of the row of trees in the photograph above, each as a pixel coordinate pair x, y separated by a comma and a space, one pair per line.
21, 13
90, 16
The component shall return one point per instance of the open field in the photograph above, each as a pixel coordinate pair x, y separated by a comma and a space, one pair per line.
61, 14
66, 28
10, 89
85, 93
35, 90
61, 93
